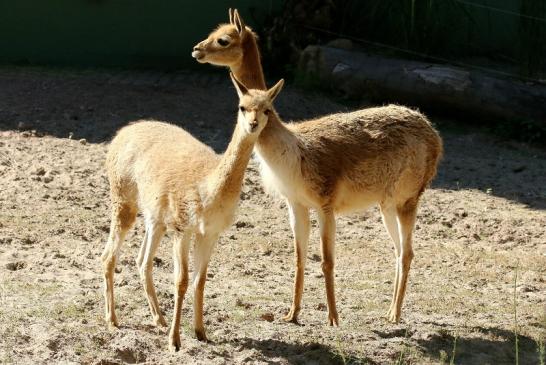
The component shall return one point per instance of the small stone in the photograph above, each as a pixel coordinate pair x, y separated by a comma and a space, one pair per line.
240, 303
14, 266
83, 141
268, 316
321, 307
23, 126
341, 43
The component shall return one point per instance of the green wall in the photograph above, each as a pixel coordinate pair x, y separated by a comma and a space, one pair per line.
127, 33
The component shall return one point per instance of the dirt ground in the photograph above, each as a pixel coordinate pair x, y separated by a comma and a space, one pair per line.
481, 224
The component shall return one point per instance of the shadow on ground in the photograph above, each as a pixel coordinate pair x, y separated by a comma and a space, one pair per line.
481, 346
95, 104
295, 353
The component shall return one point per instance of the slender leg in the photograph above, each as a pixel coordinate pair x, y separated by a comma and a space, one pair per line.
299, 221
406, 219
327, 224
142, 249
123, 217
388, 213
155, 232
180, 254
201, 256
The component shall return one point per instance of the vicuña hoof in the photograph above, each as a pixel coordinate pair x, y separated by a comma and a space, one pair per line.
159, 321
201, 336
112, 323
291, 317
333, 319
392, 316
174, 343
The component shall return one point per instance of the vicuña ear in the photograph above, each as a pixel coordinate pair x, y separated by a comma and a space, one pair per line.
241, 89
230, 11
275, 90
238, 21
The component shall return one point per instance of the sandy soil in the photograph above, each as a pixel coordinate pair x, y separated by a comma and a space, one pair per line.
482, 222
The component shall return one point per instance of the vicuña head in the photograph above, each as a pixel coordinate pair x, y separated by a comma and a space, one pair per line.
223, 46
255, 106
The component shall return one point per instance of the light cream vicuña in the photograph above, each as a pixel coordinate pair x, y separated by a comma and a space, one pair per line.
179, 184
336, 164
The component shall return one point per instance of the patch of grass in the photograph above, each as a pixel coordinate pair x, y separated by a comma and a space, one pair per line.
340, 350
452, 361
72, 311
516, 314
401, 358
541, 349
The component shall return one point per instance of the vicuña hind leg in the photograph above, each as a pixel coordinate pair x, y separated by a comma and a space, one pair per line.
154, 233
123, 217
327, 224
406, 218
389, 215
299, 221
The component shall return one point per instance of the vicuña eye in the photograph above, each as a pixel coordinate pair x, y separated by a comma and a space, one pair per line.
223, 42
242, 109
267, 111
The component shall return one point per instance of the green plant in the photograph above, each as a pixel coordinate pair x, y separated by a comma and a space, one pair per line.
541, 349
516, 314
401, 357
452, 361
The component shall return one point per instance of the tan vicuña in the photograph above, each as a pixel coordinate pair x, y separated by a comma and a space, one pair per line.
179, 184
336, 164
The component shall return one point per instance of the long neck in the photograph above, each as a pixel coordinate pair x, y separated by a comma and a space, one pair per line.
249, 71
275, 139
224, 183
276, 142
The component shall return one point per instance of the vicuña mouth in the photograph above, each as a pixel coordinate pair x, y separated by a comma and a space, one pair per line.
197, 55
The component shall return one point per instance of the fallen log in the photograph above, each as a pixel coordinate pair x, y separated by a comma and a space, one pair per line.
381, 79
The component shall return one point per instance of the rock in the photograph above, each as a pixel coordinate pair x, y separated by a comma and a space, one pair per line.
158, 262
83, 141
14, 266
240, 303
241, 224
341, 43
267, 316
321, 307
23, 126
38, 171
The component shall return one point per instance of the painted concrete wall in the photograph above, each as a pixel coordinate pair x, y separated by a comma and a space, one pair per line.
128, 33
